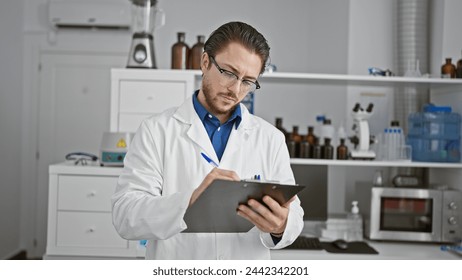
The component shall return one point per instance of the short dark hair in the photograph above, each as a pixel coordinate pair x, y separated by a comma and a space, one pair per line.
238, 32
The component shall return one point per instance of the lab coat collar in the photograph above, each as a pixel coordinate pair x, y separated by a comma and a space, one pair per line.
187, 115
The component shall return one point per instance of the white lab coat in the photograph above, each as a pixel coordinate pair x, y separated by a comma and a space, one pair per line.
164, 165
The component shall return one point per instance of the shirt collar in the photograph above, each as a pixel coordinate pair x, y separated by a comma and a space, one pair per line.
202, 112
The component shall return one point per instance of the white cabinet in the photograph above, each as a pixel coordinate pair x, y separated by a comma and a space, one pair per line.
79, 214
139, 93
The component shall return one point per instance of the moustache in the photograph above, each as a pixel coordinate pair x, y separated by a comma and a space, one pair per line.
229, 95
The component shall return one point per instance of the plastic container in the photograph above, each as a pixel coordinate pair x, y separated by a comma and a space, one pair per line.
392, 145
434, 134
318, 128
355, 232
327, 131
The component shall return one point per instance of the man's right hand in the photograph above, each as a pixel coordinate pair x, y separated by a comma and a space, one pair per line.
216, 173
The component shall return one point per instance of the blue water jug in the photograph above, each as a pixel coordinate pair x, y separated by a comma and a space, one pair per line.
434, 134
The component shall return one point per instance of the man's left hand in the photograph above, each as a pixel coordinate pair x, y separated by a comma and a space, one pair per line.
271, 218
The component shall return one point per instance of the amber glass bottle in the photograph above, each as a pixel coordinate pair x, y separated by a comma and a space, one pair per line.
448, 70
291, 146
306, 150
306, 146
459, 69
310, 137
327, 151
196, 53
180, 53
297, 139
317, 149
281, 128
342, 150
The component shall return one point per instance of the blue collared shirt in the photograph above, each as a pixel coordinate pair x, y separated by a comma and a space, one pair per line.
218, 133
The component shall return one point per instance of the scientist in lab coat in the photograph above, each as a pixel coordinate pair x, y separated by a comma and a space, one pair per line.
164, 172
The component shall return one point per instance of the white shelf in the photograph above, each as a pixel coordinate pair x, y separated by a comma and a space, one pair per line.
93, 168
311, 77
360, 79
372, 163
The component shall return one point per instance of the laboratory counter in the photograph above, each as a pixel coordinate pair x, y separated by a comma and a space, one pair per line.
386, 250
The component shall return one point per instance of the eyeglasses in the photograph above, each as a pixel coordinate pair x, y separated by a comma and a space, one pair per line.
229, 78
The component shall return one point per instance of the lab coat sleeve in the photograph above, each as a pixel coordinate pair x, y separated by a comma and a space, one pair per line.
139, 210
283, 173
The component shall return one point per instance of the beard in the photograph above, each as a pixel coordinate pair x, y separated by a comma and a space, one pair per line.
215, 102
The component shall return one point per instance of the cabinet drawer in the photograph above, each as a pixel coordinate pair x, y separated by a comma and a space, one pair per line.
87, 193
150, 97
95, 230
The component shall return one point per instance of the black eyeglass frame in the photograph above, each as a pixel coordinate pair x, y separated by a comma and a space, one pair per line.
221, 70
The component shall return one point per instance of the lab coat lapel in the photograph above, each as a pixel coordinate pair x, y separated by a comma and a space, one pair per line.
237, 139
196, 131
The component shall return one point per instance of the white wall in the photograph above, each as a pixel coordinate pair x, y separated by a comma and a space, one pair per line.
11, 14
370, 44
452, 33
303, 35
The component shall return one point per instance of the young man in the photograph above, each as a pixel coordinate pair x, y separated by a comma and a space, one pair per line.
165, 171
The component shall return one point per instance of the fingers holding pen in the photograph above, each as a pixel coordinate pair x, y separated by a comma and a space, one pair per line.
224, 174
215, 174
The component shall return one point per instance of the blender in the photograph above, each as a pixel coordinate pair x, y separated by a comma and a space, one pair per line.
145, 19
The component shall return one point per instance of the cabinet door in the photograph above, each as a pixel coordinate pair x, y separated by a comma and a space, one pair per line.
141, 99
74, 106
138, 94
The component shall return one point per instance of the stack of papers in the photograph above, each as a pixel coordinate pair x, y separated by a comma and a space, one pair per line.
342, 226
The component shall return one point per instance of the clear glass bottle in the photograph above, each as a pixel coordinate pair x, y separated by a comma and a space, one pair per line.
180, 53
196, 53
448, 70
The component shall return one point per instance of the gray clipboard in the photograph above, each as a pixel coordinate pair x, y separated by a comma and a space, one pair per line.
215, 209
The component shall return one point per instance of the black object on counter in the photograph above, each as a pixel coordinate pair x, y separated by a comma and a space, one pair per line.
354, 247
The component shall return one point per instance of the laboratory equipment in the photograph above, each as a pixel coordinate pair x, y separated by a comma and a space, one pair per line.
145, 19
114, 147
362, 138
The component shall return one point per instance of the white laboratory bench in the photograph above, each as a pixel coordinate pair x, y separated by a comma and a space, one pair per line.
387, 251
